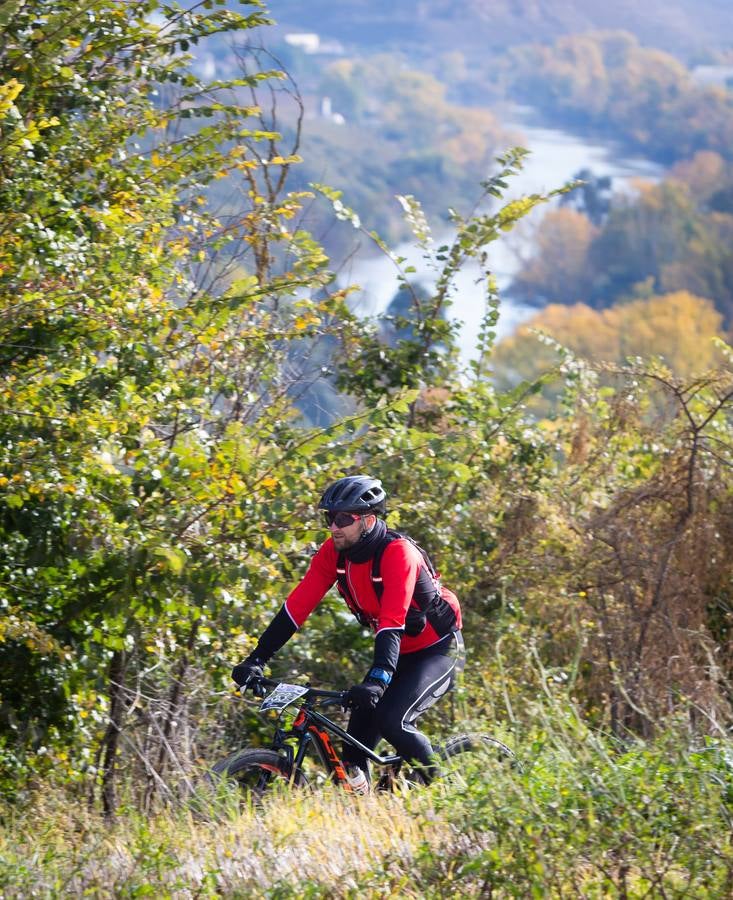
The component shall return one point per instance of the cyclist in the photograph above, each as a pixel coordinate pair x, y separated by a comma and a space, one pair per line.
418, 647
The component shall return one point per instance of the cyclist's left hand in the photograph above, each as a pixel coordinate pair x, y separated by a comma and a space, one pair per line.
365, 695
247, 671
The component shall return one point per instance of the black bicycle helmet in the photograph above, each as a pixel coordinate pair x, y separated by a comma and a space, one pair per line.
355, 493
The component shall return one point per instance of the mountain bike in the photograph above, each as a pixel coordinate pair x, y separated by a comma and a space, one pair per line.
255, 770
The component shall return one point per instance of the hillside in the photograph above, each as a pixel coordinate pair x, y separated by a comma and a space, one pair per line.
687, 28
159, 485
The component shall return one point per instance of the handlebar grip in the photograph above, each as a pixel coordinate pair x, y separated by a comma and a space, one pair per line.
258, 684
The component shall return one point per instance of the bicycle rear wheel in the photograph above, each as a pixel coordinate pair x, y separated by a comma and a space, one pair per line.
482, 748
257, 771
458, 757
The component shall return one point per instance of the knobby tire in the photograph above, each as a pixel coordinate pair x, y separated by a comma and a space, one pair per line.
256, 771
479, 746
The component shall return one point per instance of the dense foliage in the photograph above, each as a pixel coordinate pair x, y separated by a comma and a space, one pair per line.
158, 478
582, 817
139, 469
154, 472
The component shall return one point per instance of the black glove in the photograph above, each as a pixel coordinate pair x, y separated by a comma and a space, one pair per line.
365, 695
246, 671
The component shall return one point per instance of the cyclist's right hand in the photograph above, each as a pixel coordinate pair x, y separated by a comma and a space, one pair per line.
247, 671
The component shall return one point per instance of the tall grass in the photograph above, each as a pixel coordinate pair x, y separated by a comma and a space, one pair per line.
292, 844
581, 817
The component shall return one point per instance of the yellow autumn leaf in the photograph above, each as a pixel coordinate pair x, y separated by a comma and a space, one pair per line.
8, 92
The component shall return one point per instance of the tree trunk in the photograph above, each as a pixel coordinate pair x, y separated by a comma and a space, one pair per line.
111, 739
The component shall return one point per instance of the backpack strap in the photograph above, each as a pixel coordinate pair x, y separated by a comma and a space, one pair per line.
377, 582
343, 589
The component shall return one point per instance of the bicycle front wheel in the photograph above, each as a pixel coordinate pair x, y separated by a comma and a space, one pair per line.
257, 771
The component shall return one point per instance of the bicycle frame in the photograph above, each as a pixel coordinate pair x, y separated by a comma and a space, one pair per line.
312, 728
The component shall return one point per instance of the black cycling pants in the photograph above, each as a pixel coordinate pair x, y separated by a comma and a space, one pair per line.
421, 679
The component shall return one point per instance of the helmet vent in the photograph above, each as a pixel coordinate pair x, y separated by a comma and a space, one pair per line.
355, 493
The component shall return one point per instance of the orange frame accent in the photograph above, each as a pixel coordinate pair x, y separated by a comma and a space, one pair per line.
333, 757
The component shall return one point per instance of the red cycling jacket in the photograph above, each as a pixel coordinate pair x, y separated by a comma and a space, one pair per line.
400, 566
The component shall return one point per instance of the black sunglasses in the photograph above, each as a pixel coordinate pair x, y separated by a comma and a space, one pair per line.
340, 519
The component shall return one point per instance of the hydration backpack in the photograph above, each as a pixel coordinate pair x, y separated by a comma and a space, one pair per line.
429, 604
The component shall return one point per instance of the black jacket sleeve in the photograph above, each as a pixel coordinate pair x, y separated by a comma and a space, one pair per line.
276, 635
387, 649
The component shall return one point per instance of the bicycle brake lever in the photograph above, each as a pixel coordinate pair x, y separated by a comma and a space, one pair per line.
336, 701
258, 689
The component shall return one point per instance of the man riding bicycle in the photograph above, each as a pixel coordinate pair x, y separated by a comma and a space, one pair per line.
390, 586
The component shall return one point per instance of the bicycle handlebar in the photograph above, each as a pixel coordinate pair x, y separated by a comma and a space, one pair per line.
313, 693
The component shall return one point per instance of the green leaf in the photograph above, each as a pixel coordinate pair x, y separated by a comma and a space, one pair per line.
174, 559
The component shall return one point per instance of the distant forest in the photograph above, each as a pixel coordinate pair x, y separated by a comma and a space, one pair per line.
395, 126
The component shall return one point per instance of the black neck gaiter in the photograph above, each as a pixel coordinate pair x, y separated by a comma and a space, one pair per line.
368, 543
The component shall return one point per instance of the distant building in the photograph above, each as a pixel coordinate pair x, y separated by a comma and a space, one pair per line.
328, 113
310, 42
717, 75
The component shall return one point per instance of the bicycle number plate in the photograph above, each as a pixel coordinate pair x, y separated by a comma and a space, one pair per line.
283, 695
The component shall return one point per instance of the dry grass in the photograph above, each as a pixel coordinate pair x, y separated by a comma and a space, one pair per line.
327, 842
582, 817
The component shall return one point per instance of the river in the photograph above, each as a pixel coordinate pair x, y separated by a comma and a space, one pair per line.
556, 156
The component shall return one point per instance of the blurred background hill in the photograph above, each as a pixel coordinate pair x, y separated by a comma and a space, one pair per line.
420, 97
683, 27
